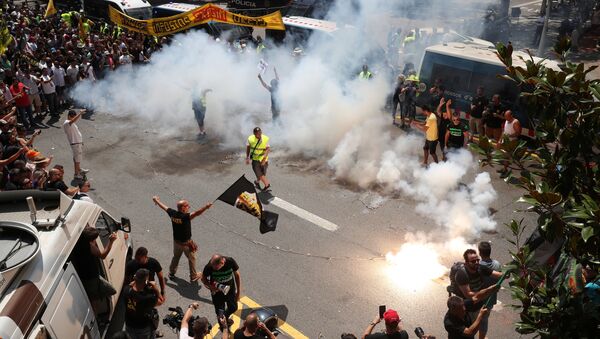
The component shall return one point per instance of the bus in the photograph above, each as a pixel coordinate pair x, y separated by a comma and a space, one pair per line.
462, 67
98, 9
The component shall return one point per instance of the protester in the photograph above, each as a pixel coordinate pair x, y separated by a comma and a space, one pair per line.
142, 260
398, 100
430, 127
456, 134
55, 182
49, 90
200, 326
141, 296
365, 74
199, 108
443, 119
19, 93
512, 126
84, 188
485, 252
458, 322
222, 278
478, 105
493, 117
393, 329
85, 259
182, 235
273, 88
76, 141
252, 328
257, 150
470, 286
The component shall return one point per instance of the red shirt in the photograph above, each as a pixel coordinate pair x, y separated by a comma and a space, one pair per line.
23, 101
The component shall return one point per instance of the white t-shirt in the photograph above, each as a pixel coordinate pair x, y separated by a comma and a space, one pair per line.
48, 87
30, 82
89, 70
72, 73
58, 76
72, 132
183, 333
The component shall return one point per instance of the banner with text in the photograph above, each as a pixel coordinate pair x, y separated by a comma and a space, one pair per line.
195, 17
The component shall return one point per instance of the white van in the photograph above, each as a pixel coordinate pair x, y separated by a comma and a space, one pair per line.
98, 9
41, 294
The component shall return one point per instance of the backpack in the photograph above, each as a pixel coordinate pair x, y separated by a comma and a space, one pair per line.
453, 287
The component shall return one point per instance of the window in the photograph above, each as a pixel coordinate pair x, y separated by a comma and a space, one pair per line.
105, 226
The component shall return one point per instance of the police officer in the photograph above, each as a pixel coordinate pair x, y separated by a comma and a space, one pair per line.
257, 150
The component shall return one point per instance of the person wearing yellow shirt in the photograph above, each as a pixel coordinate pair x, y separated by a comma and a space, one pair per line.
257, 151
430, 128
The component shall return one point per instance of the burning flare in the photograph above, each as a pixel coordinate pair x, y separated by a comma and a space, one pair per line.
414, 265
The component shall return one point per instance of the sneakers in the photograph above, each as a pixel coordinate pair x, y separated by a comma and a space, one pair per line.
171, 276
256, 184
84, 171
267, 188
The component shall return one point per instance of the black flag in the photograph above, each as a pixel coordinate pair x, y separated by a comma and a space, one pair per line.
242, 194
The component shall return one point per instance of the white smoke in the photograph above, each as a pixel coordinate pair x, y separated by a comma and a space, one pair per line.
327, 112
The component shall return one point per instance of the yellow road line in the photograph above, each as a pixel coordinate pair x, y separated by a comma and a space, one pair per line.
282, 325
236, 322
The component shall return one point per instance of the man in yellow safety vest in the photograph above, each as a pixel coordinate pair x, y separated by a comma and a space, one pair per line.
365, 73
257, 150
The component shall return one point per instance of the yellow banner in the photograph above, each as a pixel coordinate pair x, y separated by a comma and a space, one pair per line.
195, 17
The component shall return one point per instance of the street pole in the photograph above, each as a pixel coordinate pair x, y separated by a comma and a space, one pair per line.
542, 45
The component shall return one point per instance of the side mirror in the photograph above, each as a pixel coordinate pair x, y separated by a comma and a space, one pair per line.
125, 225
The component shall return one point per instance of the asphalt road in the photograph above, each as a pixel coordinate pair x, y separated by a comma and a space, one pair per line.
321, 282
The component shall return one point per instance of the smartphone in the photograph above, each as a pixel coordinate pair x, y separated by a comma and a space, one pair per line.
381, 311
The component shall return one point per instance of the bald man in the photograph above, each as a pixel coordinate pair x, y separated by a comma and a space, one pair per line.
182, 235
251, 329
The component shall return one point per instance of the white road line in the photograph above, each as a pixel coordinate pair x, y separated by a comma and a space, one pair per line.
529, 3
304, 214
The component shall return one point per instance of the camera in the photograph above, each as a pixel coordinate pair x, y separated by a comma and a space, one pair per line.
174, 318
421, 334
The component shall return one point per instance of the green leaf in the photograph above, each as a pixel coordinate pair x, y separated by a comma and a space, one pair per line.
587, 232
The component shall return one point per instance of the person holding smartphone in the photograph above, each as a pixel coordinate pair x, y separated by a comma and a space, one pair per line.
393, 329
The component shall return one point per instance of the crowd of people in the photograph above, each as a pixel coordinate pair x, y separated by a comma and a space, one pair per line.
44, 58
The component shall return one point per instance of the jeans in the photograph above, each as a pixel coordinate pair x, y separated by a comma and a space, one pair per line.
52, 101
219, 300
178, 249
26, 116
140, 333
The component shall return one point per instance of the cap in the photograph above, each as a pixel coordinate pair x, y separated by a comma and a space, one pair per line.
256, 130
391, 316
141, 275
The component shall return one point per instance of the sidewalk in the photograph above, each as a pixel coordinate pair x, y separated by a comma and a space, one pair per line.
523, 30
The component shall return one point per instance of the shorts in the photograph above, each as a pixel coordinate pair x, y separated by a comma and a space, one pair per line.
36, 100
259, 169
77, 152
430, 145
483, 325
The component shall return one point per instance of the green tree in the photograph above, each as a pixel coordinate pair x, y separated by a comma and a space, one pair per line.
559, 174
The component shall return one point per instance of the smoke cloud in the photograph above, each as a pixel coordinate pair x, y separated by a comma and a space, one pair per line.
327, 112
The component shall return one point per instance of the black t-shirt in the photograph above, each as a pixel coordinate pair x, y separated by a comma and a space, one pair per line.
224, 275
139, 305
381, 335
480, 104
475, 282
151, 265
56, 185
493, 121
86, 264
456, 327
182, 226
239, 334
457, 136
442, 126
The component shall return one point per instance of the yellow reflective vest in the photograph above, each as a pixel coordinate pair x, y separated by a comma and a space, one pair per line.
257, 152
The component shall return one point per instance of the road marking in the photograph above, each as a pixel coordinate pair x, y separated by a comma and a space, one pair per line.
304, 214
282, 325
246, 302
530, 3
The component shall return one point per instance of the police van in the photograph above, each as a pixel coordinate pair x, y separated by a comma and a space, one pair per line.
462, 67
98, 9
41, 293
